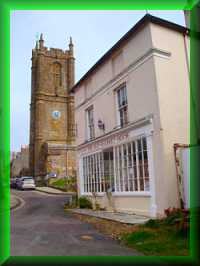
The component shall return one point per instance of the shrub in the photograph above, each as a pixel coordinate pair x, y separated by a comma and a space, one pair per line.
65, 184
172, 215
180, 218
71, 183
84, 202
152, 223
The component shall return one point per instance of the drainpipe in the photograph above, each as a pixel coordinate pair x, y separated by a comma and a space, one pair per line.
178, 173
193, 100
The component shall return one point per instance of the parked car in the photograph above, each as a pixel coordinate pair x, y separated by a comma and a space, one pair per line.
13, 182
50, 175
17, 182
26, 182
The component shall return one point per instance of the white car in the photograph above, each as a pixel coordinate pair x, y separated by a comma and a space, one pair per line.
26, 182
50, 175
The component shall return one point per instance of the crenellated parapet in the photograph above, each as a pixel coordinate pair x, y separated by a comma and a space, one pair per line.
40, 49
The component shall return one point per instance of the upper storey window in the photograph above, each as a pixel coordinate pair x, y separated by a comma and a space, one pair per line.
57, 77
90, 123
122, 105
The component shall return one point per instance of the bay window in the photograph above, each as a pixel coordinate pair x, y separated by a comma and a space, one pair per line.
122, 168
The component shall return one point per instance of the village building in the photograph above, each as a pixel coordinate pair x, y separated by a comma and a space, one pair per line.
19, 165
52, 150
131, 108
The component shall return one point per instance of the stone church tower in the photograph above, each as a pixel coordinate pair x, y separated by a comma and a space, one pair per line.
52, 133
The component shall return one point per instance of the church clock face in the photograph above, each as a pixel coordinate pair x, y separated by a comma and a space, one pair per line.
56, 114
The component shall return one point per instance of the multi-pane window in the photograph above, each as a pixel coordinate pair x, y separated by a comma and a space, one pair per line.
98, 172
131, 166
123, 168
122, 105
108, 164
90, 122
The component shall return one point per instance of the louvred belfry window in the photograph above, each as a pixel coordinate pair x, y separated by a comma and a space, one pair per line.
57, 77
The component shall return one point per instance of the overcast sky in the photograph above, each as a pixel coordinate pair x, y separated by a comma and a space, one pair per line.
93, 33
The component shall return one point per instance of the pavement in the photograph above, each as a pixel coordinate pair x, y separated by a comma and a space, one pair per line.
51, 190
41, 227
114, 216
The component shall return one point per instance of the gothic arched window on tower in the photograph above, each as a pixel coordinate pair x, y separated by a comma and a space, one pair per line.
57, 77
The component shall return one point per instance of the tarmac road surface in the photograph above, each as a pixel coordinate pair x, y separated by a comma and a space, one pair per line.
41, 227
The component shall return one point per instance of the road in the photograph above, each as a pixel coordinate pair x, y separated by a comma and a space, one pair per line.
41, 227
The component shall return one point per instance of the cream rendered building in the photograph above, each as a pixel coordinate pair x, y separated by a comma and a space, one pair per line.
130, 109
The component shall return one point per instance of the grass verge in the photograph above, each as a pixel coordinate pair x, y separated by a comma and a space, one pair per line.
155, 238
60, 184
164, 240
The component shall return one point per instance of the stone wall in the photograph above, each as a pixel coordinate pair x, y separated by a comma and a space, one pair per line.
52, 111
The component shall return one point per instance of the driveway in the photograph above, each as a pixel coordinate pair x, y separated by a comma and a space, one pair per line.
41, 227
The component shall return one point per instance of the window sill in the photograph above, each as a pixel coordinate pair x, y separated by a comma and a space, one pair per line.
122, 126
99, 194
120, 194
135, 194
88, 140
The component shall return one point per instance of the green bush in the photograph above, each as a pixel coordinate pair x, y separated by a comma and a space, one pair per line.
84, 202
173, 215
152, 223
65, 183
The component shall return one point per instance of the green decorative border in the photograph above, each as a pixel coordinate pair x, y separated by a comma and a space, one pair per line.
9, 5
194, 128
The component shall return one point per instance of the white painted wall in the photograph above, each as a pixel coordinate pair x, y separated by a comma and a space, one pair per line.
173, 94
104, 82
157, 83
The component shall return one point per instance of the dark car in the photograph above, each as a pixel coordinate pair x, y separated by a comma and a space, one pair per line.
13, 183
17, 182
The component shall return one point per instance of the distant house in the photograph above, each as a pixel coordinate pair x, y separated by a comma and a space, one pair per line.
19, 165
130, 109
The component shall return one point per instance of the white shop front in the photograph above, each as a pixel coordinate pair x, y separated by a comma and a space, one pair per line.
122, 163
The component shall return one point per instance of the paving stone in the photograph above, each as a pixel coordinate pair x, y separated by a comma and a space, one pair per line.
115, 216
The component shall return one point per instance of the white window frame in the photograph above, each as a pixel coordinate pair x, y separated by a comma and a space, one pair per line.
82, 192
147, 132
88, 128
116, 91
128, 193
